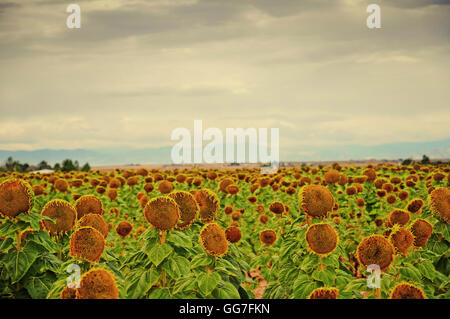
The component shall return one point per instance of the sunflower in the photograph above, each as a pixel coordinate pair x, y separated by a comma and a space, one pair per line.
407, 291
38, 190
422, 230
439, 203
63, 213
224, 184
277, 208
322, 239
263, 219
371, 174
331, 177
88, 204
316, 201
16, 197
402, 239
112, 194
209, 204
165, 187
376, 250
415, 205
268, 237
68, 293
233, 234
98, 283
324, 293
124, 229
228, 210
95, 221
87, 243
189, 208
162, 213
399, 216
232, 189
213, 240
149, 187
403, 195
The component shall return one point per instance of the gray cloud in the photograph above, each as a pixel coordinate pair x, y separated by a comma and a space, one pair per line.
138, 69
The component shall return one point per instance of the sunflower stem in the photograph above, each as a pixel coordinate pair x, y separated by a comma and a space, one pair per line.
163, 237
18, 239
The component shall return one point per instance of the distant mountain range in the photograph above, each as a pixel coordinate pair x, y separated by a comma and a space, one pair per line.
435, 150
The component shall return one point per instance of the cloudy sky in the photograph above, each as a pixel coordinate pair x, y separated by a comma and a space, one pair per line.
138, 69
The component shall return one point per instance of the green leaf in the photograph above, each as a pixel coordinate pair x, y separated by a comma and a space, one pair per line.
39, 287
5, 244
42, 238
159, 253
332, 260
180, 239
326, 276
442, 228
208, 282
8, 228
176, 266
426, 268
303, 290
226, 291
18, 262
411, 272
140, 281
184, 284
200, 260
159, 293
310, 261
356, 285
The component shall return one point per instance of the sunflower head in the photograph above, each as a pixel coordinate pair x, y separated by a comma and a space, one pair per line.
331, 177
322, 239
422, 230
209, 204
399, 216
61, 185
98, 283
324, 293
162, 213
188, 206
213, 240
415, 205
316, 201
263, 219
439, 203
233, 234
68, 293
63, 213
124, 229
16, 197
88, 204
277, 208
407, 291
95, 221
268, 237
402, 239
87, 243
376, 250
165, 187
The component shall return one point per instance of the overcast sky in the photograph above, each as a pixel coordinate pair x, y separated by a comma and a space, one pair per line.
138, 69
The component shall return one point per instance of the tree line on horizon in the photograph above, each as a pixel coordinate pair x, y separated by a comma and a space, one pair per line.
11, 165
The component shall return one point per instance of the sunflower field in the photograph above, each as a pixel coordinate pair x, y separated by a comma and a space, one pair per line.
372, 232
